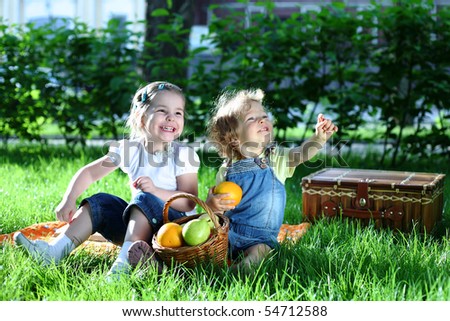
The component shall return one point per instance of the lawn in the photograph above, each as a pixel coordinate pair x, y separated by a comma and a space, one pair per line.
335, 261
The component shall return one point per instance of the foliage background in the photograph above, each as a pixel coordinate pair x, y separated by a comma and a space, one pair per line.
385, 70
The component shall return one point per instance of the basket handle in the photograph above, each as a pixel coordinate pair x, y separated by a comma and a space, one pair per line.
192, 198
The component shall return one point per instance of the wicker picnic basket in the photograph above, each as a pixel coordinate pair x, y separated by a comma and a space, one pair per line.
214, 250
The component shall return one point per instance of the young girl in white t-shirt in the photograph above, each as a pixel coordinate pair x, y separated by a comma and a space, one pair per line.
157, 166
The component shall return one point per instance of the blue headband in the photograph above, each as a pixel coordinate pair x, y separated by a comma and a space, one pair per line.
144, 96
163, 86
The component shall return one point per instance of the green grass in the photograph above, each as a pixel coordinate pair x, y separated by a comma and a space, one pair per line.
335, 260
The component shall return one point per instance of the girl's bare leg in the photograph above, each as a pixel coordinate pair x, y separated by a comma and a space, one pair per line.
78, 231
253, 256
138, 229
141, 252
80, 228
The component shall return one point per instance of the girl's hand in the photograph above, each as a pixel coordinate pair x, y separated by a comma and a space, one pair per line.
325, 127
145, 184
66, 210
217, 202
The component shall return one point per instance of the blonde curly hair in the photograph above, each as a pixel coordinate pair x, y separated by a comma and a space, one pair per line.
223, 128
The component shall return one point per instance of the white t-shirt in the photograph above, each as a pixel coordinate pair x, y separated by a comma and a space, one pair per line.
163, 167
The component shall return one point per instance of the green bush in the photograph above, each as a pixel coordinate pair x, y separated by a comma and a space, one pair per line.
23, 82
388, 63
79, 78
387, 66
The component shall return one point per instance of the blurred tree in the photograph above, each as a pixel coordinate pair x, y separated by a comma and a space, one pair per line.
168, 24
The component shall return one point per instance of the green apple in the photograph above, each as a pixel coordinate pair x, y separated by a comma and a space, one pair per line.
207, 218
196, 232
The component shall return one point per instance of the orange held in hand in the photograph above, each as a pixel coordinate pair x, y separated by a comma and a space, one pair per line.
169, 235
231, 188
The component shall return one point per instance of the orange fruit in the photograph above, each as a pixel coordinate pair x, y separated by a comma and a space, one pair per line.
231, 188
169, 235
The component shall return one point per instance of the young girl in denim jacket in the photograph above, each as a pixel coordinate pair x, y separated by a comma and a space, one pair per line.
157, 168
242, 131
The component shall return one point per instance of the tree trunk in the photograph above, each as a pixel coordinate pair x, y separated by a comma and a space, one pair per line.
182, 8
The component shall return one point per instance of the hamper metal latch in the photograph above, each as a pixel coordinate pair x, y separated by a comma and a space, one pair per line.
362, 195
362, 202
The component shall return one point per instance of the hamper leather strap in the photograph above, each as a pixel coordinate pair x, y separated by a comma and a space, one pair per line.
362, 195
392, 213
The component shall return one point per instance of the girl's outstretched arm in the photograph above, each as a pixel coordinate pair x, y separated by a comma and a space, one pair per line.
323, 131
80, 182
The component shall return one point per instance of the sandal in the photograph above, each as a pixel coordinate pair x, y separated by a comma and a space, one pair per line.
141, 254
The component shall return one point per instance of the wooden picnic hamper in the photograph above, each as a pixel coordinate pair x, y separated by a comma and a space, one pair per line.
391, 199
214, 250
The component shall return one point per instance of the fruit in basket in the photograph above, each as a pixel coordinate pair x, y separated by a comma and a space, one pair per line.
196, 232
231, 188
207, 218
170, 235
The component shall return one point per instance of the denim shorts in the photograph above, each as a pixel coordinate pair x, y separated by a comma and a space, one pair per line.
110, 214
